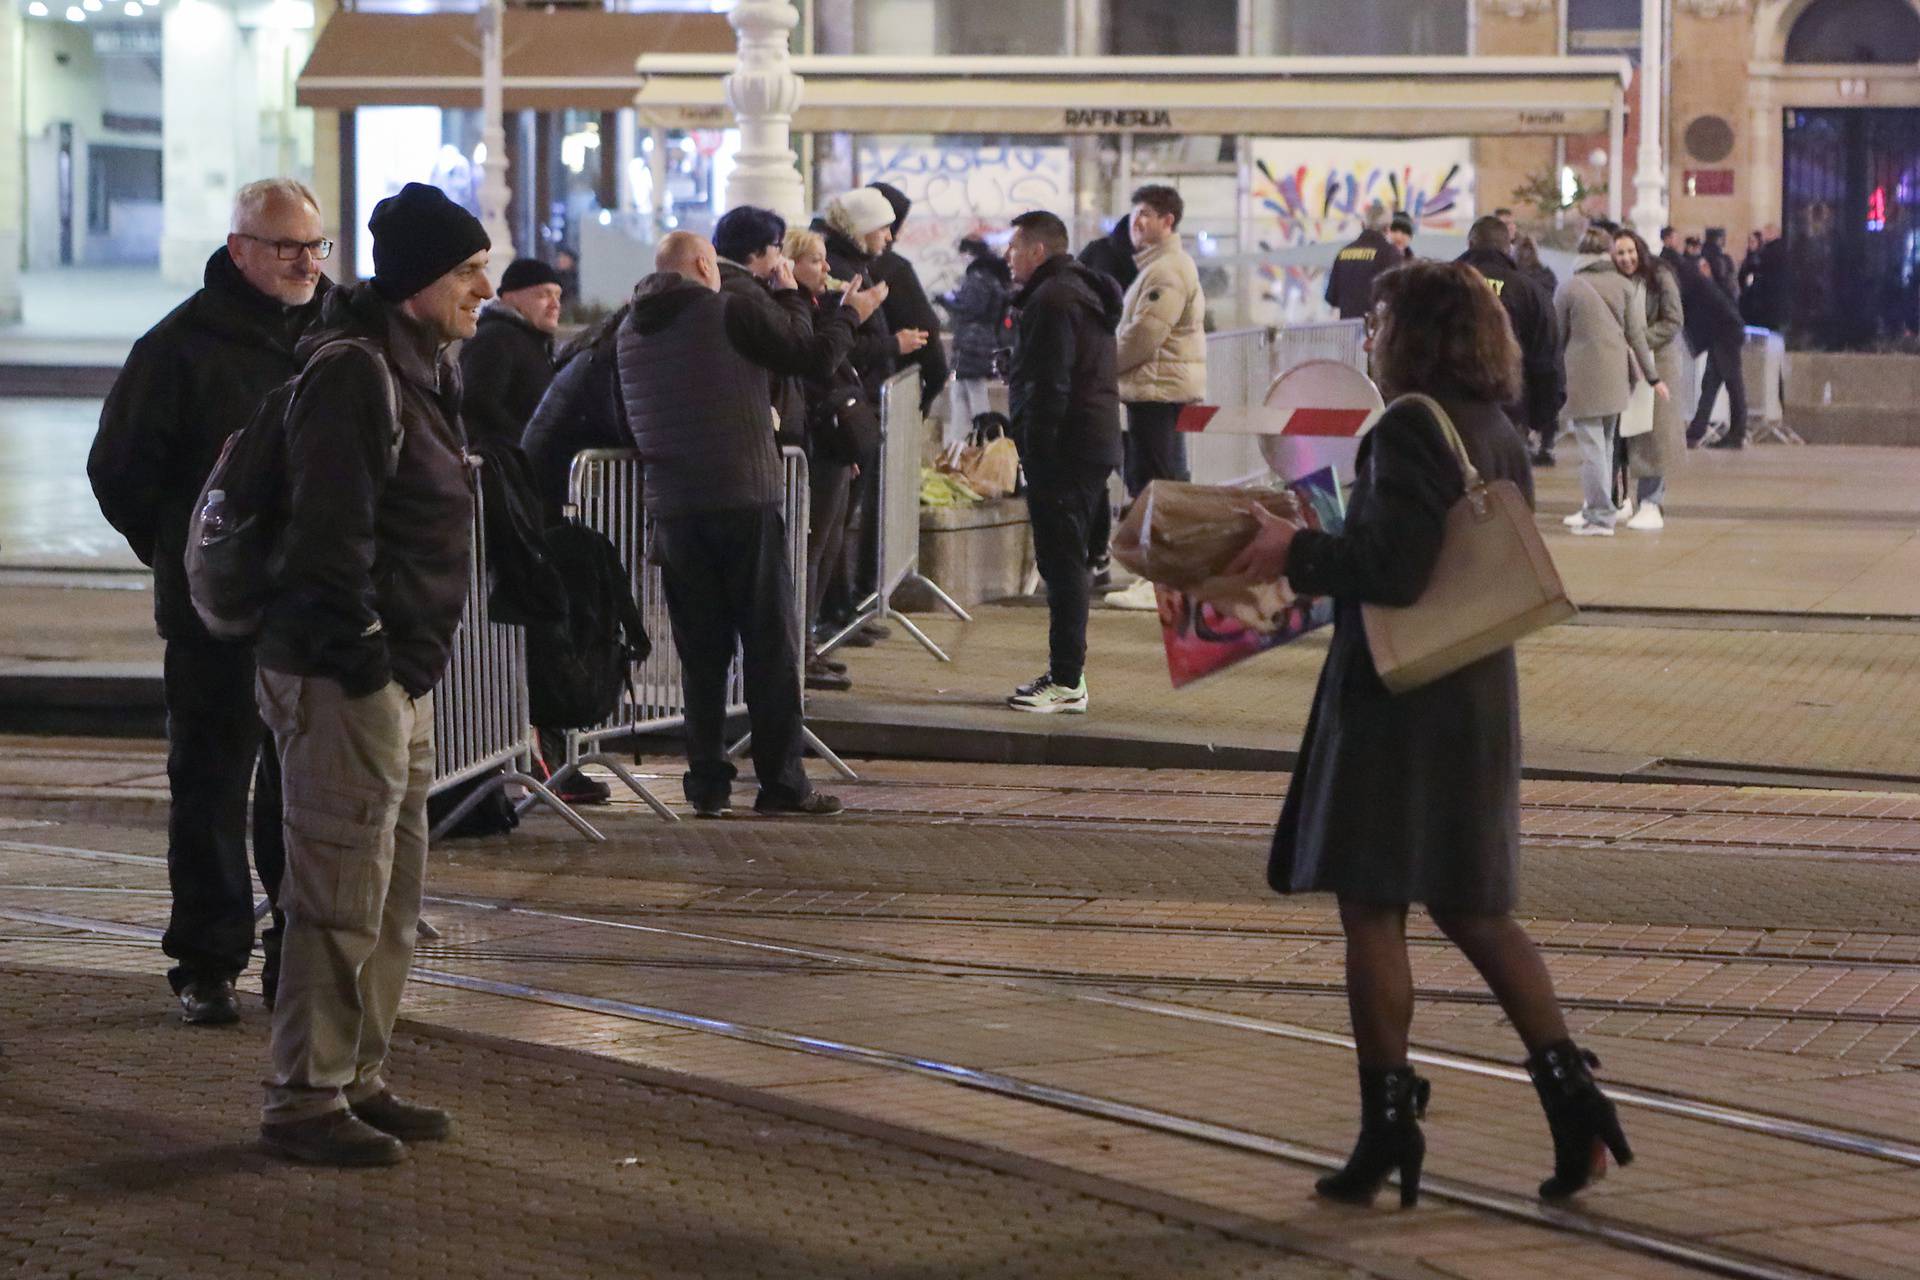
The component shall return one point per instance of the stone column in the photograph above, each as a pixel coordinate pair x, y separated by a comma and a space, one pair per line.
764, 92
493, 136
13, 160
209, 132
1650, 169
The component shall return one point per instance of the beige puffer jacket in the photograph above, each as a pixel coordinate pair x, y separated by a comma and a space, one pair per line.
1162, 337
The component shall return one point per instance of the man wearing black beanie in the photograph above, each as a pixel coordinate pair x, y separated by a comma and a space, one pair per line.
369, 578
508, 363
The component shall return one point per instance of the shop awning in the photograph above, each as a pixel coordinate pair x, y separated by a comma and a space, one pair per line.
574, 59
1333, 97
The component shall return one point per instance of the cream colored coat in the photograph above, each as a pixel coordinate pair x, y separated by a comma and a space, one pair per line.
1162, 338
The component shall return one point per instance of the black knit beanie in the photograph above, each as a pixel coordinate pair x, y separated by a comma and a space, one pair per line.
418, 236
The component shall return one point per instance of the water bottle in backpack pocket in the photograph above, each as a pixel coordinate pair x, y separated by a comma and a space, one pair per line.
242, 506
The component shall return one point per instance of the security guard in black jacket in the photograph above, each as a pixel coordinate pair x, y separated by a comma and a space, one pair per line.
1530, 310
1350, 283
193, 380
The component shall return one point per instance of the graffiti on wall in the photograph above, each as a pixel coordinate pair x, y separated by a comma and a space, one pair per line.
1309, 191
960, 191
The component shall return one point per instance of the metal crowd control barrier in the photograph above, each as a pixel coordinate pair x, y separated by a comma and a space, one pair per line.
604, 493
798, 512
1240, 368
901, 430
481, 723
1342, 340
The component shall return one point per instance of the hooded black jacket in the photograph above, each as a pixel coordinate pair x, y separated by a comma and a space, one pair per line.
693, 375
370, 572
875, 354
1530, 309
1062, 390
907, 305
581, 410
505, 367
1113, 254
192, 381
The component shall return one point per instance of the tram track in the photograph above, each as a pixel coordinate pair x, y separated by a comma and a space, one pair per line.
1097, 988
1610, 1231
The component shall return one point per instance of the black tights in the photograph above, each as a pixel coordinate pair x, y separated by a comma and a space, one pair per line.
1380, 979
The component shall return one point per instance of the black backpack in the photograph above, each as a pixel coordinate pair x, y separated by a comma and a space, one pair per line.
227, 567
578, 664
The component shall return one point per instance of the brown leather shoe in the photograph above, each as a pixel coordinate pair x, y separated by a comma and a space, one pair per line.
336, 1138
407, 1121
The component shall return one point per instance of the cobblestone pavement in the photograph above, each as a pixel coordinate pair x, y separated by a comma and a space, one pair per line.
1080, 970
127, 1155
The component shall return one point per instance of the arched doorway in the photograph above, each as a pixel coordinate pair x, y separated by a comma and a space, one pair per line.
1850, 193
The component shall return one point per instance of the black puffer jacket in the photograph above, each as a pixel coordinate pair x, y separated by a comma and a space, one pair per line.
907, 306
693, 376
1530, 309
370, 572
505, 367
1113, 254
1062, 389
192, 381
979, 311
789, 397
581, 410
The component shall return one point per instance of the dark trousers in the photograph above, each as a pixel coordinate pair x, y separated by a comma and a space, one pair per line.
1064, 507
827, 484
1723, 367
1155, 448
214, 740
862, 545
727, 584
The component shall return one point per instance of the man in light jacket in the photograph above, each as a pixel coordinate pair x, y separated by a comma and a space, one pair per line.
1161, 351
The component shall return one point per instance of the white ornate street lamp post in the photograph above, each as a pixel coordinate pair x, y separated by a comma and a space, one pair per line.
1650, 174
764, 93
494, 192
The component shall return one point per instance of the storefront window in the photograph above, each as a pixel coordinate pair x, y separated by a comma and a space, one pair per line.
1359, 28
1173, 27
918, 28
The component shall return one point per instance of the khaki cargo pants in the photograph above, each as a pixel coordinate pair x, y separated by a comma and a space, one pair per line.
356, 772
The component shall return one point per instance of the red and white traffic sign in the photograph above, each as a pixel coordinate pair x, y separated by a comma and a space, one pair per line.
1314, 416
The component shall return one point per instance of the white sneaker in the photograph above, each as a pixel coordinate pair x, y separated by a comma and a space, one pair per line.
1647, 519
1044, 697
1575, 520
1140, 595
1588, 529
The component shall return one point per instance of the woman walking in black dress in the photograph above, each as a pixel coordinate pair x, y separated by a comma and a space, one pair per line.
1415, 797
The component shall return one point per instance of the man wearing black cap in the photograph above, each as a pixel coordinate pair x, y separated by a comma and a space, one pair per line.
368, 579
508, 363
1400, 235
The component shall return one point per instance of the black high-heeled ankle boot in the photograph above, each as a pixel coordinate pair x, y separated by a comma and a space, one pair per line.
1585, 1127
1391, 1104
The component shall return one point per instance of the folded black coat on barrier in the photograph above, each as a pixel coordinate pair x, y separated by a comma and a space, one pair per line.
526, 585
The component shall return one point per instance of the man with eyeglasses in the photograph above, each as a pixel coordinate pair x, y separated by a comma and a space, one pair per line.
189, 383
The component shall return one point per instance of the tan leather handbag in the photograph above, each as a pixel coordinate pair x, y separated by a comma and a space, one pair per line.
1493, 583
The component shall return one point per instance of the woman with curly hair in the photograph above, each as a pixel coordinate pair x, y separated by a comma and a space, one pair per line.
1411, 798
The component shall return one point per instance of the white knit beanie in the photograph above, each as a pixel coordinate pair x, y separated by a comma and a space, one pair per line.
859, 212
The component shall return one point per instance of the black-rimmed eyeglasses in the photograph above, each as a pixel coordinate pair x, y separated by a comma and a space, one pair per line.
290, 250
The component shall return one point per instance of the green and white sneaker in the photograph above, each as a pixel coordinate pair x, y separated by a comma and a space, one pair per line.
1044, 697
